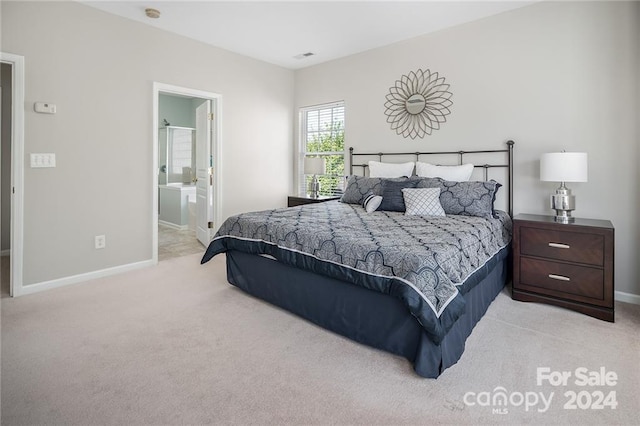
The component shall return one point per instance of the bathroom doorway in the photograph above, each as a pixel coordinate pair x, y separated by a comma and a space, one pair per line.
187, 178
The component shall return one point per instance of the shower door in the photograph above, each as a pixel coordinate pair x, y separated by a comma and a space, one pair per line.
176, 151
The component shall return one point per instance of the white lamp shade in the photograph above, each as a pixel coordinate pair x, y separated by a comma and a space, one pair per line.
314, 166
564, 167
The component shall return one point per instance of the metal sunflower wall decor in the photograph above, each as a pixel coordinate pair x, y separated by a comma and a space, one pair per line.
418, 103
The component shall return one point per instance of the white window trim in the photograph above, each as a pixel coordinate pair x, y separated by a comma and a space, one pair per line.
302, 153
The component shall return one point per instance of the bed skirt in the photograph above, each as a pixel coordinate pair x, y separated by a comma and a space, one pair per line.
366, 316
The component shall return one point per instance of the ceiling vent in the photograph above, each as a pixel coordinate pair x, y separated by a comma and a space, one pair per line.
304, 55
152, 13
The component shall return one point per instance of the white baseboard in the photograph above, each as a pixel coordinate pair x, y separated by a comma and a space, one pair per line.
621, 296
75, 279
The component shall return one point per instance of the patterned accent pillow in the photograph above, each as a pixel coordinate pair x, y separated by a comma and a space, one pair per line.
471, 198
372, 202
358, 187
392, 199
423, 201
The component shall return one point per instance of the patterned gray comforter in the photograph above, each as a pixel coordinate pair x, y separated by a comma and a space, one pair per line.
421, 260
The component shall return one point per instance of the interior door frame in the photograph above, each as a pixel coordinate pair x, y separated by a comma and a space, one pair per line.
216, 151
17, 171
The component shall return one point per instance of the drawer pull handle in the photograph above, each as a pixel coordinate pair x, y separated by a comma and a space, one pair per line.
559, 277
559, 245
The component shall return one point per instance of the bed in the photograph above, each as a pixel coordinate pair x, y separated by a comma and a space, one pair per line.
411, 284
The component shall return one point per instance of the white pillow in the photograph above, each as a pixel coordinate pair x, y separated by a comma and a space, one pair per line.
422, 201
453, 173
390, 170
372, 202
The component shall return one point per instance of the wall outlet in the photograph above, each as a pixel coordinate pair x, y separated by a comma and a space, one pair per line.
100, 241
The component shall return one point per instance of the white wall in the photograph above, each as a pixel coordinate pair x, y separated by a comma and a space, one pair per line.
177, 110
99, 70
551, 76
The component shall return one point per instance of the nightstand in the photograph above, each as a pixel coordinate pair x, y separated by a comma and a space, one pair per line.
567, 265
293, 200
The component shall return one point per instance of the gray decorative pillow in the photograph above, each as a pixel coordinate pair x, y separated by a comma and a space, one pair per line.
474, 198
358, 187
392, 198
427, 182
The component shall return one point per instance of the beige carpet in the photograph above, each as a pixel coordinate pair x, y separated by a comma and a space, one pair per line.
175, 344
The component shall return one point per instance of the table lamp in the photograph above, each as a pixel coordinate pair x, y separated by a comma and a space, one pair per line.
563, 167
314, 166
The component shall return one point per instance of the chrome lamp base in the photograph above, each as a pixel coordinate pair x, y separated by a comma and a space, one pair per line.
314, 187
563, 202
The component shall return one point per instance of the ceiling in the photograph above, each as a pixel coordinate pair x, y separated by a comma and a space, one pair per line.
278, 31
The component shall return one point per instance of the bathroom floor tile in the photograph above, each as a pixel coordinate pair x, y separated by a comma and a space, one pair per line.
176, 243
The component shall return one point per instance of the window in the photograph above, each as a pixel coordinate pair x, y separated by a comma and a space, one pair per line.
181, 153
322, 135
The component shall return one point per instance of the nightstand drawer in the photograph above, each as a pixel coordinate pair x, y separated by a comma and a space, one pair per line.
560, 277
562, 245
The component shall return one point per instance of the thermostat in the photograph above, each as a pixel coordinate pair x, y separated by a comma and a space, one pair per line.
44, 108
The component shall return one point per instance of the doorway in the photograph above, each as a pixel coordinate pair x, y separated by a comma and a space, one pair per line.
186, 168
6, 70
11, 178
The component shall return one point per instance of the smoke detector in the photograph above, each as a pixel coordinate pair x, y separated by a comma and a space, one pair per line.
152, 13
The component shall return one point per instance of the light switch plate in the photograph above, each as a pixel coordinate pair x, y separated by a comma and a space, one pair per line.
43, 160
